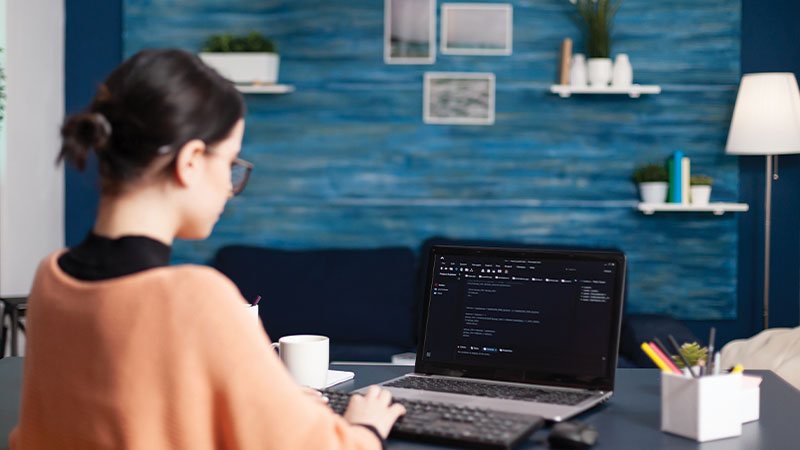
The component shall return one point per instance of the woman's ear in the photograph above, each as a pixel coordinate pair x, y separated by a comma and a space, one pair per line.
189, 162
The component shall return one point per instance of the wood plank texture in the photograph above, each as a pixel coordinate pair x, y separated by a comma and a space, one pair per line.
345, 160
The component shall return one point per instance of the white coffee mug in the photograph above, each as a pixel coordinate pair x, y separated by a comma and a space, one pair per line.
306, 358
253, 311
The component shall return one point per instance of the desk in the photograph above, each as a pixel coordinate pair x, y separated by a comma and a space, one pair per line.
630, 420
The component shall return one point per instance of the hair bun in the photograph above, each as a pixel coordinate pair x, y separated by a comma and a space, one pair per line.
81, 133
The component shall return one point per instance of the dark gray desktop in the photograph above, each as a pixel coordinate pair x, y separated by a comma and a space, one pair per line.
630, 420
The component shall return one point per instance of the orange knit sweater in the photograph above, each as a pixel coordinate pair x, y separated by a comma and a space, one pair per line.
167, 358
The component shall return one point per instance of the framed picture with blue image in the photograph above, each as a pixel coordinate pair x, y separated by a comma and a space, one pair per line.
409, 32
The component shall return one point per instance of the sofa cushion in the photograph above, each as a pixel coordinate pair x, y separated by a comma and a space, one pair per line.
356, 296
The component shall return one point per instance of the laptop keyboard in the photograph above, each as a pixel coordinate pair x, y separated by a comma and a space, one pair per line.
447, 424
491, 390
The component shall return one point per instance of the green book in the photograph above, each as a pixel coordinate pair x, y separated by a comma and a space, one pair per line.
671, 185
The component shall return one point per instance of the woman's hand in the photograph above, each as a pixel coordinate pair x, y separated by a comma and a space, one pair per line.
374, 408
315, 395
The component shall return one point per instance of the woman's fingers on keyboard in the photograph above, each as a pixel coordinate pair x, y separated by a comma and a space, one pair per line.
373, 392
397, 409
385, 397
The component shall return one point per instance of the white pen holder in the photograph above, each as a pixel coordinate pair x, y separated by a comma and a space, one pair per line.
702, 409
751, 398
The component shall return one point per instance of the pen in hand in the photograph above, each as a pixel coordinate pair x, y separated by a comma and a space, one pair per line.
255, 302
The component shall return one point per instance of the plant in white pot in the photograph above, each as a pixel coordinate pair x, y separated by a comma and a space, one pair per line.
653, 181
597, 17
248, 59
700, 189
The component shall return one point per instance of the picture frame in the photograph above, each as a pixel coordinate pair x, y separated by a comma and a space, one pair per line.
477, 28
409, 31
458, 98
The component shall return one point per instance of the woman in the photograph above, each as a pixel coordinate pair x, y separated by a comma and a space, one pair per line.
126, 352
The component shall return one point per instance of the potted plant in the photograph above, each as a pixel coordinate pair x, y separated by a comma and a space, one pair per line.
653, 182
597, 17
693, 353
245, 59
700, 189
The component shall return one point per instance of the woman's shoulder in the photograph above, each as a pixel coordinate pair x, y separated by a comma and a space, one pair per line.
194, 278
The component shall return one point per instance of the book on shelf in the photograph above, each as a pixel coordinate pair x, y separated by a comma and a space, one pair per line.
685, 178
566, 56
675, 171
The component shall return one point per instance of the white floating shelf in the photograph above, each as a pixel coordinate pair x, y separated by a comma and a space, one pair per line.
265, 88
718, 208
634, 91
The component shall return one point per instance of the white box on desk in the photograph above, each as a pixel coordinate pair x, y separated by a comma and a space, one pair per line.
702, 409
751, 397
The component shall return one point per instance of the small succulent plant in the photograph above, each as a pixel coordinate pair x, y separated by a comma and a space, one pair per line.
693, 353
251, 42
701, 180
650, 173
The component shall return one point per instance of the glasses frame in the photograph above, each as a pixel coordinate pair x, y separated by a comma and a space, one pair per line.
248, 167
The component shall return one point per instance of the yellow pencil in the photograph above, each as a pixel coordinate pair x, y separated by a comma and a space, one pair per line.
738, 368
661, 364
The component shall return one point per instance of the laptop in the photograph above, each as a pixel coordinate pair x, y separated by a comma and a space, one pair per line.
518, 330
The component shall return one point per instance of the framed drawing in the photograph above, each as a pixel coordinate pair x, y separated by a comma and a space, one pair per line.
477, 28
458, 98
409, 31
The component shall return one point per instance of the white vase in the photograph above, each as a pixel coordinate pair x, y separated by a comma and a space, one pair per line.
259, 68
577, 70
700, 195
653, 191
622, 74
599, 72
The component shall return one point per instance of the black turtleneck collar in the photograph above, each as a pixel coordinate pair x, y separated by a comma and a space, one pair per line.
101, 258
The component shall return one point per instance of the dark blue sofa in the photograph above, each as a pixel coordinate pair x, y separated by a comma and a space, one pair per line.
362, 299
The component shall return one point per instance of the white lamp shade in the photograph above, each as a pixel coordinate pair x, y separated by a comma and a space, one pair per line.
766, 117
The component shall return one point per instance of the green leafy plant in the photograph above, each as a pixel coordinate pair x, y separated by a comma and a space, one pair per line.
250, 43
597, 16
701, 180
650, 173
692, 352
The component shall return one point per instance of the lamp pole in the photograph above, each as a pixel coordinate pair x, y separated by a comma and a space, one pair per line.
767, 226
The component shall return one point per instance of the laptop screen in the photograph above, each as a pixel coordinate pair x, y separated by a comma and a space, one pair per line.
534, 316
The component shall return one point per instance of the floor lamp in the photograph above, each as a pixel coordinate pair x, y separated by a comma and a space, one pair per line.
766, 121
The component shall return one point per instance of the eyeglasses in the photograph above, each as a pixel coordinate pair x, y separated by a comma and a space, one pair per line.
240, 173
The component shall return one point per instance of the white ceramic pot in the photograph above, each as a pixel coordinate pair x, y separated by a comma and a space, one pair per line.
700, 195
259, 68
599, 72
622, 74
577, 70
653, 191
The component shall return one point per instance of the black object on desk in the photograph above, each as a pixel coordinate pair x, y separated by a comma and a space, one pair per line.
572, 435
442, 423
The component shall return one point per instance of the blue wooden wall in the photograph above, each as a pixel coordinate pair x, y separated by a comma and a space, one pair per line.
346, 161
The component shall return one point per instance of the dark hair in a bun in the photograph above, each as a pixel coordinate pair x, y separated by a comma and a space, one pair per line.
83, 132
150, 106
